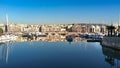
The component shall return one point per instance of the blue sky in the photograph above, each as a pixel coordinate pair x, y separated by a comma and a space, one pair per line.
60, 11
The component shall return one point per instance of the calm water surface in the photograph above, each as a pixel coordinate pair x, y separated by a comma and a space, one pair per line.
57, 55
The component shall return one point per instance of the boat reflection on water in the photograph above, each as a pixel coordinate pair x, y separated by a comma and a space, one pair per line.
70, 38
112, 56
4, 52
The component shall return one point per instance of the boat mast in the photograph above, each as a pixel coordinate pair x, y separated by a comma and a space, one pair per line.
118, 24
6, 25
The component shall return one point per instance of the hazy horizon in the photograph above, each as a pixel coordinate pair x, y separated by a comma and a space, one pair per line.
60, 11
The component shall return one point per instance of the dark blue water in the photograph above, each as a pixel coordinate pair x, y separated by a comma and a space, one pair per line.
54, 55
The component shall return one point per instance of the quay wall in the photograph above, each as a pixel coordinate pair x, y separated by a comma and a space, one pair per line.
113, 42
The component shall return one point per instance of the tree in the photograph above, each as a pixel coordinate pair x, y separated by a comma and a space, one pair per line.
1, 30
110, 30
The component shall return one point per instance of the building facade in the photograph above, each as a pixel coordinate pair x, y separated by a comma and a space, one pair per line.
89, 28
53, 28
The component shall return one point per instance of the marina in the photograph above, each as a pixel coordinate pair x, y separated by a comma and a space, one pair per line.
59, 50
59, 34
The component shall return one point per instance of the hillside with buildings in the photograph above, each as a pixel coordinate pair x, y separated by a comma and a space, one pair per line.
81, 28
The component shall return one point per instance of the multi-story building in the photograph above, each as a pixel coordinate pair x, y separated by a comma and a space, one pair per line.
14, 28
30, 28
53, 28
23, 28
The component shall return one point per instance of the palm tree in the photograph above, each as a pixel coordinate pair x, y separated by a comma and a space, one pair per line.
110, 29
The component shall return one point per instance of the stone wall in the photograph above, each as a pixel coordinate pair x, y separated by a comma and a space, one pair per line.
113, 42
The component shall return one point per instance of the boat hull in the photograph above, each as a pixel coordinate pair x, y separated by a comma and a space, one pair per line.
92, 40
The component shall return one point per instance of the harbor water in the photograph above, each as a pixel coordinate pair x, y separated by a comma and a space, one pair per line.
43, 54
